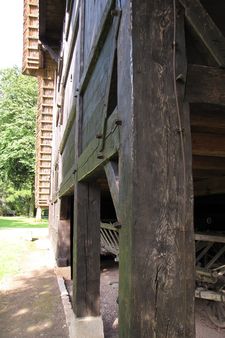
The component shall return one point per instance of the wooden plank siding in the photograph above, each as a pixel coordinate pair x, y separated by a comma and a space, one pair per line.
94, 95
93, 14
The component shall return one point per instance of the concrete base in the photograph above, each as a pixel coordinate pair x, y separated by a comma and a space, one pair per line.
89, 327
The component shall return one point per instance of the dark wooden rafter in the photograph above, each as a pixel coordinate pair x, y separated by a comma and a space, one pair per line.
205, 84
206, 144
111, 171
207, 118
209, 186
50, 50
206, 29
209, 163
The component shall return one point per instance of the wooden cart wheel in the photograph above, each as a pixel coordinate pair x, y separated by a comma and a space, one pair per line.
216, 313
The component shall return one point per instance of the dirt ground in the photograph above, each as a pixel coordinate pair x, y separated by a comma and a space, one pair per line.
109, 306
30, 303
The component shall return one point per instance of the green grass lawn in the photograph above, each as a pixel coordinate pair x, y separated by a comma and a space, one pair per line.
22, 222
12, 254
14, 247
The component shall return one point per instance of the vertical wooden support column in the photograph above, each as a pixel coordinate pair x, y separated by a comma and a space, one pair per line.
156, 296
86, 237
63, 254
86, 292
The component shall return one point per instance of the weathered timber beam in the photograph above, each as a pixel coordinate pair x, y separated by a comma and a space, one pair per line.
68, 183
69, 125
205, 84
155, 195
206, 174
105, 24
70, 5
111, 171
209, 238
206, 29
73, 39
208, 118
86, 267
208, 163
46, 47
209, 186
90, 160
115, 28
208, 144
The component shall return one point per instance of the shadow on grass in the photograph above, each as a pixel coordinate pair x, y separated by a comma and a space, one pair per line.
21, 222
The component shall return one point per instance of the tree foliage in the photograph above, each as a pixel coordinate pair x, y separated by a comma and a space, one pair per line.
18, 99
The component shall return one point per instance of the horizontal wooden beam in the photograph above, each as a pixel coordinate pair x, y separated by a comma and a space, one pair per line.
206, 29
90, 160
205, 173
207, 118
68, 182
208, 144
210, 186
209, 238
208, 163
205, 84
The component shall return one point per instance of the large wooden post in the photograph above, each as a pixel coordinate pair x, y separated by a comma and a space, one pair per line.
86, 234
156, 296
86, 291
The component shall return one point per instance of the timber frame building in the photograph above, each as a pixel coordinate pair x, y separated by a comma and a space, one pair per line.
130, 131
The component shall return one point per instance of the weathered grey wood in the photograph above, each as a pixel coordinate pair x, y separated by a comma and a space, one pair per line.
156, 295
89, 161
205, 84
210, 295
95, 94
86, 290
93, 23
209, 238
73, 39
68, 182
68, 155
69, 125
111, 170
106, 21
116, 23
206, 29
